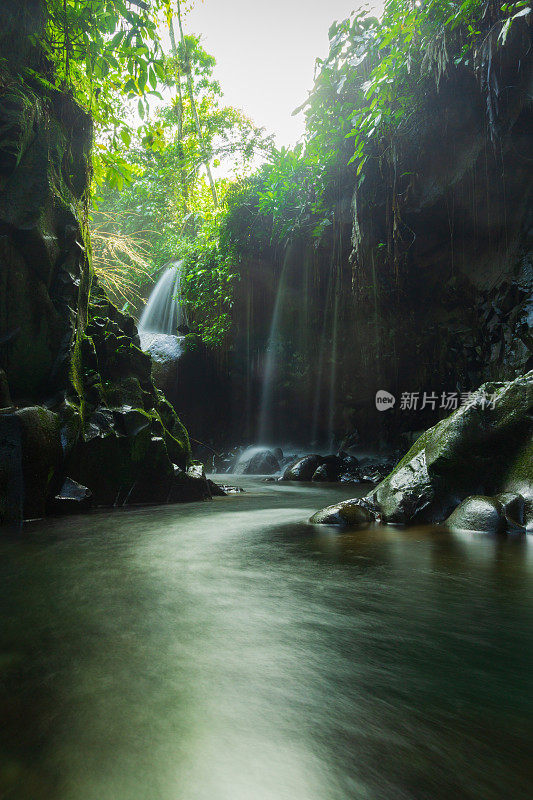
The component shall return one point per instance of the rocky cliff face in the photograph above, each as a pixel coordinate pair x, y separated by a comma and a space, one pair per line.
425, 286
77, 396
443, 247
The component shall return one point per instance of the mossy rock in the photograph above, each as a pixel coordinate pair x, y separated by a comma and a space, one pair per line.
350, 514
42, 458
483, 448
479, 449
122, 469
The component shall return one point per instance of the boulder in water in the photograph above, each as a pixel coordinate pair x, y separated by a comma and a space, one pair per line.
478, 513
257, 461
484, 448
350, 513
330, 470
303, 469
481, 449
513, 507
42, 457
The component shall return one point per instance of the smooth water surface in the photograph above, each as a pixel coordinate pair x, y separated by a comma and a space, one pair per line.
231, 651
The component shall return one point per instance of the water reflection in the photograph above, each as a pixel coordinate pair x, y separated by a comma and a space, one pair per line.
230, 650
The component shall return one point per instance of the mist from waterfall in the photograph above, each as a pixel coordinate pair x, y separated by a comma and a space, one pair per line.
164, 312
265, 431
300, 359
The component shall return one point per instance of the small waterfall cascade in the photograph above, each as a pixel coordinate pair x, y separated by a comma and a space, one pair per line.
164, 312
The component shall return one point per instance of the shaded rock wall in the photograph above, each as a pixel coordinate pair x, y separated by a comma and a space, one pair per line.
425, 282
443, 239
77, 391
44, 173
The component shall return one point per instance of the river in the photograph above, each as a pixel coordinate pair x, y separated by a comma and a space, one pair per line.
228, 650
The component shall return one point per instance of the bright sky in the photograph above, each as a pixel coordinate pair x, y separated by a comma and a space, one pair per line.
266, 51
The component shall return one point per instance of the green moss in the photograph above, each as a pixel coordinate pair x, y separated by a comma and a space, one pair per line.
519, 477
470, 452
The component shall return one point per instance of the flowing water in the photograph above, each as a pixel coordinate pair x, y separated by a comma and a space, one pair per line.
164, 311
231, 651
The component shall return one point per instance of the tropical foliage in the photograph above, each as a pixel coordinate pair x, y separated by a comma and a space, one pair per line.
368, 93
163, 131
168, 204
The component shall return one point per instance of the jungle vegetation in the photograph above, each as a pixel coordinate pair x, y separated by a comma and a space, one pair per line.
162, 129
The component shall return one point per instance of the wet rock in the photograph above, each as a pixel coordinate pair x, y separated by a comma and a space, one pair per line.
513, 507
42, 458
372, 474
11, 477
478, 513
73, 498
196, 470
350, 513
519, 474
257, 461
5, 395
482, 448
216, 490
228, 489
350, 471
349, 461
186, 488
303, 469
325, 473
165, 351
528, 515
351, 476
329, 470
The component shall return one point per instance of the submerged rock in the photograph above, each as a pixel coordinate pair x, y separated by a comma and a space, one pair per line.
350, 513
478, 513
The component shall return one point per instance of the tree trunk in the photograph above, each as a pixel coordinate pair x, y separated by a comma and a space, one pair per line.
183, 177
195, 114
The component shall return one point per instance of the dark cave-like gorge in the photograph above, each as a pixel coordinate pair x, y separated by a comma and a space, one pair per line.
421, 287
313, 406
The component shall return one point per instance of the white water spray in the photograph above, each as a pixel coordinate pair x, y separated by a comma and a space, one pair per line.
164, 312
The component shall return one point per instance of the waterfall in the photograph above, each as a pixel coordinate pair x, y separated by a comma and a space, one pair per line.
164, 312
